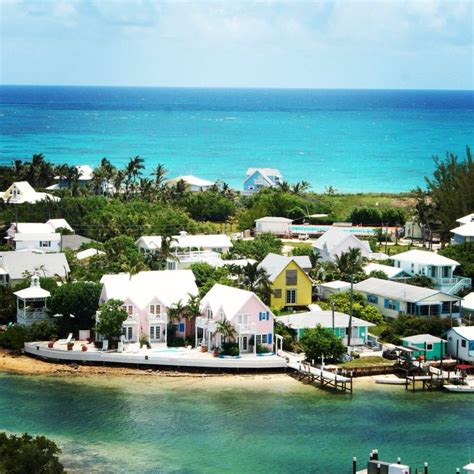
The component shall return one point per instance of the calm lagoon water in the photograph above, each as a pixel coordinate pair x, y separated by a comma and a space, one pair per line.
127, 424
354, 140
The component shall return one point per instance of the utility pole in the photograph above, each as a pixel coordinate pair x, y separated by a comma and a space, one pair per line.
350, 312
332, 308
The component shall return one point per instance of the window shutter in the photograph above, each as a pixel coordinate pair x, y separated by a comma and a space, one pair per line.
270, 338
268, 315
385, 303
181, 327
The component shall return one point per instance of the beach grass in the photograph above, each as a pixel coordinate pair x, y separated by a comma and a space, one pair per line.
366, 362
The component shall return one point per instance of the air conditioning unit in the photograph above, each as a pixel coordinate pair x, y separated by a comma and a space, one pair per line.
398, 469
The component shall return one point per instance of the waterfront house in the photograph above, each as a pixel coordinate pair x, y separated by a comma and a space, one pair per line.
461, 343
258, 178
430, 347
290, 283
394, 298
32, 303
336, 241
465, 231
325, 290
84, 172
250, 317
393, 273
337, 322
147, 297
273, 225
191, 183
436, 267
15, 265
22, 192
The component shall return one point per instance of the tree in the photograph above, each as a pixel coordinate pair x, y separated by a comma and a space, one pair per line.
360, 307
349, 263
79, 299
111, 318
27, 455
464, 254
257, 280
160, 173
380, 274
451, 179
257, 248
321, 341
225, 328
421, 280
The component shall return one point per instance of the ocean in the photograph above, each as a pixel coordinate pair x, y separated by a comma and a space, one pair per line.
353, 140
154, 424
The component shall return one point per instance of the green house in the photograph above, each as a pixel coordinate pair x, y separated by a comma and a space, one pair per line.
431, 347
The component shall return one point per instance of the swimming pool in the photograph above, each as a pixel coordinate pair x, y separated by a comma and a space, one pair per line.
170, 349
318, 229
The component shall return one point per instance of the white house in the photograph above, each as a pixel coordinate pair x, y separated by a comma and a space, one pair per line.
185, 243
436, 267
337, 322
32, 303
85, 173
147, 297
15, 265
258, 178
468, 303
394, 298
88, 253
22, 192
44, 242
192, 183
325, 290
49, 227
273, 225
393, 273
465, 232
250, 317
413, 230
336, 241
461, 343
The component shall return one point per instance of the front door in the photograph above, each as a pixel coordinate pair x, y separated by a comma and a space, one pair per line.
245, 344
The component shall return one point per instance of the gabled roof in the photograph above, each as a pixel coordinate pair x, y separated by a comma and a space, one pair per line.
50, 236
423, 257
281, 220
151, 242
228, 299
421, 338
465, 230
46, 264
191, 181
274, 264
59, 224
74, 241
85, 173
33, 228
169, 286
185, 240
88, 253
467, 332
336, 285
264, 171
334, 237
311, 319
391, 272
27, 194
400, 291
468, 301
466, 219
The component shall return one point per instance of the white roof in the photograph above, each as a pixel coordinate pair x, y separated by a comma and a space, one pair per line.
312, 318
88, 253
228, 299
391, 272
191, 181
33, 292
423, 257
335, 239
85, 173
465, 230
33, 228
151, 242
27, 194
337, 284
421, 338
46, 264
168, 286
274, 264
241, 262
188, 241
467, 332
466, 219
400, 291
468, 301
264, 171
59, 223
274, 219
50, 236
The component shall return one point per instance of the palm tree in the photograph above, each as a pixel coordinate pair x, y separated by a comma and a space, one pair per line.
349, 263
118, 180
330, 190
257, 280
62, 172
133, 170
159, 173
300, 187
192, 309
225, 328
176, 312
284, 187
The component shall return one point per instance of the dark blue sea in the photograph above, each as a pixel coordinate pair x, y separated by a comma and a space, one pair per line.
353, 140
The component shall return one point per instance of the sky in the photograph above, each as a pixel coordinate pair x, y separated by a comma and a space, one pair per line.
401, 44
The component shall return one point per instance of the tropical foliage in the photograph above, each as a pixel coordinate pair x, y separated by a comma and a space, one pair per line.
320, 342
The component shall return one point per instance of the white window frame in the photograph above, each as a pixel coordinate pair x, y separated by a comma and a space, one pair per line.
155, 309
127, 332
291, 300
156, 330
45, 243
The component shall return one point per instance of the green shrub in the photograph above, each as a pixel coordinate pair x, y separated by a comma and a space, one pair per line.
14, 337
262, 349
230, 349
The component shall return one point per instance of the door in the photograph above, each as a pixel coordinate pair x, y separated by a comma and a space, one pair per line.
245, 344
127, 332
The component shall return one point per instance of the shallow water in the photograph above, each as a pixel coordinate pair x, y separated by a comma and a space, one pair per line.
157, 424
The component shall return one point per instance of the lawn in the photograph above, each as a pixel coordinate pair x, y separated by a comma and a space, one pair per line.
366, 362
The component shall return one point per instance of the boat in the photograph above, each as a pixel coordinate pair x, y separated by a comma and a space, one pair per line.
460, 388
390, 380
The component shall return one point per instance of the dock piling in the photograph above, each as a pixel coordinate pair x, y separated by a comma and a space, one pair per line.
354, 465
425, 470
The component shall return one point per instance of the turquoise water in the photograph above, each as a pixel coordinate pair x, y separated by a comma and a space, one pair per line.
324, 228
354, 140
195, 425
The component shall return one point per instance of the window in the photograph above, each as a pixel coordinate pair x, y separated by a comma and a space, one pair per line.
463, 343
277, 293
127, 332
171, 265
391, 304
429, 347
155, 309
290, 296
45, 243
445, 272
181, 327
209, 313
264, 338
155, 332
291, 277
372, 299
128, 309
264, 316
222, 315
242, 319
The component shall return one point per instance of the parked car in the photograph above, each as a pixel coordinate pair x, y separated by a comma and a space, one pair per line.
390, 354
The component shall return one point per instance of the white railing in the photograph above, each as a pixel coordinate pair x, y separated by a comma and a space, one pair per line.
159, 318
205, 323
31, 314
242, 328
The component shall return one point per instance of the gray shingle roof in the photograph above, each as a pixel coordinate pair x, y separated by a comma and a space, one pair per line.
274, 264
74, 241
312, 318
48, 264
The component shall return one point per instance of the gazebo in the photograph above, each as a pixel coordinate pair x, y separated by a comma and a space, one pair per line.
32, 303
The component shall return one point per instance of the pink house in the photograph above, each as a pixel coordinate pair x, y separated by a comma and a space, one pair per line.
250, 317
147, 297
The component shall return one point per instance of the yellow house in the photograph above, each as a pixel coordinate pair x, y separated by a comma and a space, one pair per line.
291, 285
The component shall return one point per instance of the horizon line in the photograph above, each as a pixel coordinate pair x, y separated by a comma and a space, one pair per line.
240, 87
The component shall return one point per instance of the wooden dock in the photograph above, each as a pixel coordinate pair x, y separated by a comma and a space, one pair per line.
433, 379
324, 378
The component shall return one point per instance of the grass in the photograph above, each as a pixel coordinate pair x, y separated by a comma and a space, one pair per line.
366, 362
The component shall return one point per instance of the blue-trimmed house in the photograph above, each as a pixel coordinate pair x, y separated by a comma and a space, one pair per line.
258, 178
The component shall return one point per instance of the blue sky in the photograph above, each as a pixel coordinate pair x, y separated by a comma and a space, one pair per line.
320, 44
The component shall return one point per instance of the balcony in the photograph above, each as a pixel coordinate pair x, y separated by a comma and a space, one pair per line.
205, 323
246, 328
29, 316
157, 318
